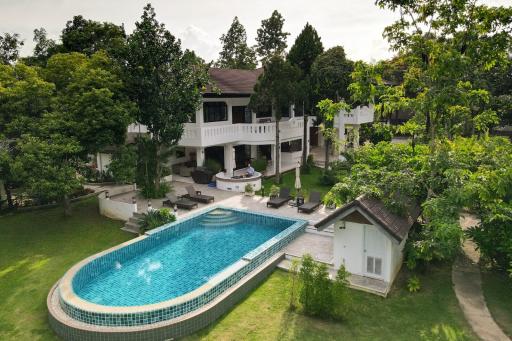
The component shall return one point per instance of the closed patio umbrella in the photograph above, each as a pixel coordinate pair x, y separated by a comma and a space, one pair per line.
297, 177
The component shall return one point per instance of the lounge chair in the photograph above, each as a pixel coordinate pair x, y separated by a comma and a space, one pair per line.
194, 195
284, 196
184, 203
313, 203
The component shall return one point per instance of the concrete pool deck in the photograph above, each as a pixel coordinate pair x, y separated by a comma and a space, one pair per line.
225, 198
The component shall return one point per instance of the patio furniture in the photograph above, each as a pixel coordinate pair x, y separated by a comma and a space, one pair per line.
194, 195
202, 175
313, 204
184, 203
284, 196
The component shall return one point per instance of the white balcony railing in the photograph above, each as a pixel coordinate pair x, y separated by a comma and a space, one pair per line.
358, 115
242, 133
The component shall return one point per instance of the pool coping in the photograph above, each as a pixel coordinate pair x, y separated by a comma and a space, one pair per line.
67, 294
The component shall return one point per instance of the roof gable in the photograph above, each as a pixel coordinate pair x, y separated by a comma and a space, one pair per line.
397, 226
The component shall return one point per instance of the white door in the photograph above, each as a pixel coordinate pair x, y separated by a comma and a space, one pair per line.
374, 252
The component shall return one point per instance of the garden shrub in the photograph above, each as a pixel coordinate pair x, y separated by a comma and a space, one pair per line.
318, 295
213, 165
123, 166
274, 191
156, 218
376, 132
259, 165
413, 284
150, 190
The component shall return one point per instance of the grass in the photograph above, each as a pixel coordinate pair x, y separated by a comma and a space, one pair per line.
497, 288
263, 315
309, 182
36, 249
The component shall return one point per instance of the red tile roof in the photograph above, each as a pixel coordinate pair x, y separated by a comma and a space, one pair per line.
233, 81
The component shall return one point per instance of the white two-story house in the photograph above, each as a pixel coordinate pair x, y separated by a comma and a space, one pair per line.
226, 130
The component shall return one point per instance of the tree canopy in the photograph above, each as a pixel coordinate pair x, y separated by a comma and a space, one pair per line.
10, 45
235, 53
271, 39
330, 74
305, 49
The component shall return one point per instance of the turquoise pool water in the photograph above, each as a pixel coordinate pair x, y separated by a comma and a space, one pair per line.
173, 264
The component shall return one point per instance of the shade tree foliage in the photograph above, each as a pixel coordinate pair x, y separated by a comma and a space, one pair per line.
270, 38
235, 53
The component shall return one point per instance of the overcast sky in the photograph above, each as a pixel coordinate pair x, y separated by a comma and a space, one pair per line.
357, 25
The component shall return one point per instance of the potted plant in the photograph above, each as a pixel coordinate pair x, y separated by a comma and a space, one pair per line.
249, 190
274, 191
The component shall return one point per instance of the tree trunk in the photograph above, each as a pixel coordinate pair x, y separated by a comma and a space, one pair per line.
158, 165
327, 147
278, 154
427, 124
305, 142
66, 203
8, 194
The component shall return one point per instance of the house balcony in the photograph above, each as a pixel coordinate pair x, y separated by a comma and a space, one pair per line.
195, 135
357, 116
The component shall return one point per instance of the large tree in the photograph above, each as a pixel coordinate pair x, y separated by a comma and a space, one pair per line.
330, 77
271, 39
89, 36
276, 88
91, 104
235, 53
330, 74
44, 48
449, 45
10, 45
164, 81
306, 48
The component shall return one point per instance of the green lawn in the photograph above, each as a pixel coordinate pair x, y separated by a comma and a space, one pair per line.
309, 182
401, 316
38, 247
497, 291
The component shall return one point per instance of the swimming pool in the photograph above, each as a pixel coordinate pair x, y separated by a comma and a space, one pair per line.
173, 270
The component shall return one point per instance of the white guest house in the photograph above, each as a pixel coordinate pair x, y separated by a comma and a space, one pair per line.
369, 241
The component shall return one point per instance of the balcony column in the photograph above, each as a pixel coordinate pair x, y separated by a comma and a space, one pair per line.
229, 158
254, 151
356, 136
200, 156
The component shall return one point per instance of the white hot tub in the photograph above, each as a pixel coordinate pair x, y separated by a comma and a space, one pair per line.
238, 182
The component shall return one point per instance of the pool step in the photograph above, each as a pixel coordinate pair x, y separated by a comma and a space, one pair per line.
133, 224
220, 217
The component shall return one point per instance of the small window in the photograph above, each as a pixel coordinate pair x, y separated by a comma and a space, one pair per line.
378, 266
369, 264
374, 265
215, 111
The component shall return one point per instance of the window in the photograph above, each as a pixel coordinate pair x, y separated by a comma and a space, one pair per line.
215, 111
374, 265
292, 146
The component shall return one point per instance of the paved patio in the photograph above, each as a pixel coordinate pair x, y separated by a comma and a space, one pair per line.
225, 198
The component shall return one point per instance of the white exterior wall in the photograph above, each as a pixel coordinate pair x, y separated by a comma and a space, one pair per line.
102, 161
349, 250
116, 209
348, 247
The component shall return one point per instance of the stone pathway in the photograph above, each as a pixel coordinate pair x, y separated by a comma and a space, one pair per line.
467, 283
